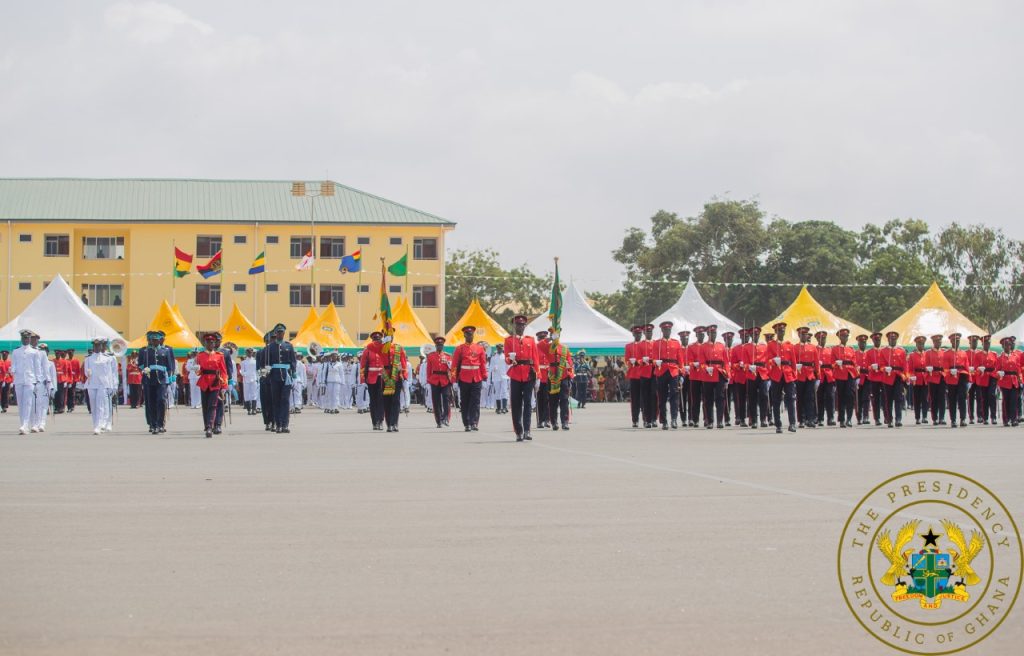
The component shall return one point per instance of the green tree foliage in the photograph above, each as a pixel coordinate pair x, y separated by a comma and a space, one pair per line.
502, 292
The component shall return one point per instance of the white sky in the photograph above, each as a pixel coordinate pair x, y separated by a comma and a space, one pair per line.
543, 128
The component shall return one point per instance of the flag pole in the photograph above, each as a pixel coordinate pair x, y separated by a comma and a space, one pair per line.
312, 252
174, 274
408, 292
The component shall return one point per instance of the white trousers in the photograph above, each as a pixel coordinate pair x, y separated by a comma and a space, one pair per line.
26, 402
331, 397
296, 398
346, 396
99, 404
194, 398
500, 389
406, 395
41, 406
250, 390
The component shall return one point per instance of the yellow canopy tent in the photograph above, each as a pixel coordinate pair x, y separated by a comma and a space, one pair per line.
239, 329
326, 331
933, 314
409, 330
487, 329
177, 333
806, 311
311, 319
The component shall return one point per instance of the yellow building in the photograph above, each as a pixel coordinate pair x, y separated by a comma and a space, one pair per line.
114, 240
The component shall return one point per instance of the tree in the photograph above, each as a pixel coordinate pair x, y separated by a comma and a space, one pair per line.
503, 293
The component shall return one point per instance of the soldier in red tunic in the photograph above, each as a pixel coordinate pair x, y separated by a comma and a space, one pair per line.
134, 376
892, 361
684, 378
542, 385
730, 373
696, 375
213, 377
648, 380
955, 364
984, 368
560, 375
635, 353
371, 368
780, 356
826, 394
1009, 372
714, 361
757, 379
934, 363
523, 360
806, 366
844, 370
972, 387
738, 376
439, 376
6, 380
863, 386
666, 352
470, 362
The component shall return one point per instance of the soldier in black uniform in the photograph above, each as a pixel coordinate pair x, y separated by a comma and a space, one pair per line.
261, 370
281, 361
157, 364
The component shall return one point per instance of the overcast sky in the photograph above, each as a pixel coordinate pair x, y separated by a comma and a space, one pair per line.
542, 128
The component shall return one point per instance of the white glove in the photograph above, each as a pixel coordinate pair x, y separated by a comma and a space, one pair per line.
553, 335
657, 362
929, 369
709, 369
953, 371
913, 379
387, 339
777, 361
981, 369
839, 363
1002, 373
686, 368
970, 370
888, 370
146, 371
875, 366
753, 368
512, 357
632, 361
647, 359
799, 366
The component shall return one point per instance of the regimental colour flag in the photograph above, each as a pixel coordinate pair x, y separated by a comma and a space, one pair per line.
400, 267
258, 265
182, 263
555, 306
385, 307
211, 268
307, 262
352, 263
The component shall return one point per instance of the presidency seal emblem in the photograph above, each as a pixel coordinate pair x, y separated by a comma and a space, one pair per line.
930, 562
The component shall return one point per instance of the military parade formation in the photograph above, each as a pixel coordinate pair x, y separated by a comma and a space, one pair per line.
712, 382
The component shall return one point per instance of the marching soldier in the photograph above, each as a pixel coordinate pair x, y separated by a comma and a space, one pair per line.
863, 385
683, 393
972, 387
892, 360
757, 379
523, 359
826, 394
266, 408
371, 369
1009, 372
560, 376
157, 363
984, 367
727, 341
696, 376
100, 371
935, 361
6, 380
213, 379
844, 370
666, 352
75, 371
917, 363
634, 361
281, 363
470, 362
806, 364
440, 376
874, 377
542, 384
738, 375
395, 376
714, 360
28, 374
780, 355
650, 383
955, 365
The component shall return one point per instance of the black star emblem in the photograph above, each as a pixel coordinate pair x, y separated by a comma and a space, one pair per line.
930, 538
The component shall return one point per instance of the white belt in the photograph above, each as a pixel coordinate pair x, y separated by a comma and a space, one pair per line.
471, 366
375, 368
544, 366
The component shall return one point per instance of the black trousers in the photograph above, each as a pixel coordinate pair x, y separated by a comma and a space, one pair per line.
543, 397
757, 401
265, 405
440, 398
783, 391
919, 393
956, 398
69, 398
1011, 400
987, 402
738, 392
826, 401
5, 395
375, 391
696, 400
876, 400
714, 400
59, 396
280, 395
973, 402
558, 406
156, 405
581, 386
393, 404
808, 413
845, 392
894, 401
636, 400
863, 400
521, 395
683, 394
668, 398
470, 395
937, 400
134, 395
210, 400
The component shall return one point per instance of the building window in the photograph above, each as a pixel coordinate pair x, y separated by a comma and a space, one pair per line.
271, 239
395, 241
363, 241
57, 246
271, 287
363, 289
332, 248
104, 295
239, 287
300, 295
207, 295
24, 286
394, 289
240, 239
424, 296
424, 248
299, 247
103, 248
24, 238
332, 294
208, 245
363, 337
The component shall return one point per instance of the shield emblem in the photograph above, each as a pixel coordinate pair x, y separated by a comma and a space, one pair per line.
930, 571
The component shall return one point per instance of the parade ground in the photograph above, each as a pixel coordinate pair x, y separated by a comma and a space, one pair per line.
335, 539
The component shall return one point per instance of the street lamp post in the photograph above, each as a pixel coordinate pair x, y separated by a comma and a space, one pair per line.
299, 189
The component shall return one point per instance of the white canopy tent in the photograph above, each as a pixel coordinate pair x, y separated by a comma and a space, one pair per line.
60, 317
583, 327
692, 310
1015, 329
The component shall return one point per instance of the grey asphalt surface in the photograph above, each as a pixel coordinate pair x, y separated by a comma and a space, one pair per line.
337, 539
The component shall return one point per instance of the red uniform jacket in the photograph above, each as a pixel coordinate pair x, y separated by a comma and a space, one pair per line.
5, 372
916, 363
870, 360
77, 376
954, 360
669, 351
526, 351
635, 351
63, 370
692, 360
1009, 365
894, 357
371, 363
470, 362
542, 367
784, 351
935, 358
988, 360
738, 372
861, 359
439, 369
755, 354
213, 373
826, 365
806, 355
716, 356
848, 369
135, 374
554, 354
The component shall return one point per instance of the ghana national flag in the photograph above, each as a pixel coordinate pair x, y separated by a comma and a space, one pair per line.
182, 263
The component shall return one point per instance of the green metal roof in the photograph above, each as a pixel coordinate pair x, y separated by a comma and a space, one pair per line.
183, 201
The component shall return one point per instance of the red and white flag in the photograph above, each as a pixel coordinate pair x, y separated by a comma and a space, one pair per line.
306, 262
